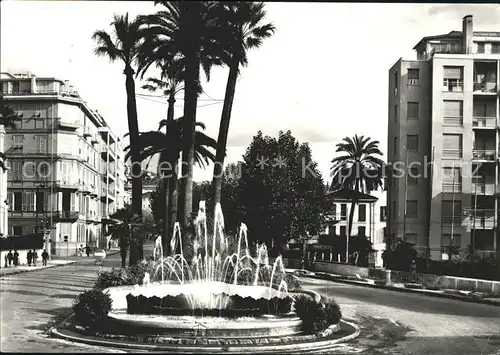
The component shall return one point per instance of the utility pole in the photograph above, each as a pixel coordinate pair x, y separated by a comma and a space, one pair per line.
475, 214
406, 197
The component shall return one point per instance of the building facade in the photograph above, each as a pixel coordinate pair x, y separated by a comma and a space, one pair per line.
4, 207
443, 145
66, 173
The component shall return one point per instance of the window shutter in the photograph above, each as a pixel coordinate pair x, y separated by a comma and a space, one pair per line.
24, 201
452, 141
453, 108
73, 201
453, 72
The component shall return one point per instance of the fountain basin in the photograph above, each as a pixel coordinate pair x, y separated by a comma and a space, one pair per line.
215, 327
198, 290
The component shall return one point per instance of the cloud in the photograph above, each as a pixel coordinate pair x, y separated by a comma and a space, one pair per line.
484, 14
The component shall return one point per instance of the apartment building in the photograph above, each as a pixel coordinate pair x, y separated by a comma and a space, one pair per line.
66, 173
369, 218
4, 209
443, 134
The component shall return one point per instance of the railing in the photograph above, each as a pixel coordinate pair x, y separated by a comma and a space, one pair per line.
453, 85
453, 121
67, 214
479, 218
486, 122
450, 187
486, 87
40, 92
452, 153
486, 154
482, 188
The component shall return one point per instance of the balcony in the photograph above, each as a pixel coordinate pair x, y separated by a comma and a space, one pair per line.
87, 132
18, 92
485, 78
487, 155
485, 87
481, 188
484, 122
106, 152
67, 185
479, 218
69, 125
66, 215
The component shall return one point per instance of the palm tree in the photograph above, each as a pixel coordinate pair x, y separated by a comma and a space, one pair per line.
359, 169
241, 29
169, 145
125, 46
187, 30
7, 119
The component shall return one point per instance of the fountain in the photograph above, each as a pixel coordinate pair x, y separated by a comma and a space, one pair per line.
223, 295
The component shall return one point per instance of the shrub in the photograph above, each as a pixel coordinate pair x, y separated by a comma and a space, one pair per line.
135, 273
292, 281
311, 313
115, 277
332, 311
92, 307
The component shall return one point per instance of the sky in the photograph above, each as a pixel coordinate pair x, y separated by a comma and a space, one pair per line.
323, 74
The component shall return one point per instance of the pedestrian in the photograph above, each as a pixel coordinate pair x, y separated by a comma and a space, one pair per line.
29, 256
45, 256
16, 258
10, 257
109, 245
5, 258
413, 270
35, 257
87, 249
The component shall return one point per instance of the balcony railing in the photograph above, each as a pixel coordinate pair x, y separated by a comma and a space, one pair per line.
452, 153
483, 154
484, 122
40, 92
485, 87
66, 214
449, 187
482, 188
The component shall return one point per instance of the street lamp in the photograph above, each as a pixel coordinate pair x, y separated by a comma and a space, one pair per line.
36, 207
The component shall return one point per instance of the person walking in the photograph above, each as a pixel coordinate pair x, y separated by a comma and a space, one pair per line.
413, 270
45, 256
87, 250
16, 258
35, 257
109, 245
29, 256
10, 257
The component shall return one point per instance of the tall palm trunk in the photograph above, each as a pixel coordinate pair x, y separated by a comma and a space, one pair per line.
167, 180
349, 228
220, 153
133, 126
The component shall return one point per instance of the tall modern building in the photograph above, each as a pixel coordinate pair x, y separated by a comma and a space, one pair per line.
67, 173
443, 134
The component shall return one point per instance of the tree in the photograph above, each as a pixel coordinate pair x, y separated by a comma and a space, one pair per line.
241, 30
186, 29
125, 46
360, 169
7, 119
120, 230
168, 146
282, 192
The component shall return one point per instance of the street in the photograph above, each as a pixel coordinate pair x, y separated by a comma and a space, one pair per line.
391, 322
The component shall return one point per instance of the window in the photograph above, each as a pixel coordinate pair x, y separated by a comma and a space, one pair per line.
18, 144
495, 48
452, 146
41, 144
452, 179
396, 113
18, 201
396, 83
481, 47
362, 213
453, 113
412, 143
343, 231
16, 170
413, 76
447, 241
395, 148
411, 238
40, 199
361, 231
412, 113
17, 230
343, 211
413, 176
451, 211
411, 208
383, 213
453, 79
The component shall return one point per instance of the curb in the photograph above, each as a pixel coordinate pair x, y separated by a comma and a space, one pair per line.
289, 348
33, 270
406, 290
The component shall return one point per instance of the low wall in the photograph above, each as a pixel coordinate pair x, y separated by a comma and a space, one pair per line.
441, 281
22, 257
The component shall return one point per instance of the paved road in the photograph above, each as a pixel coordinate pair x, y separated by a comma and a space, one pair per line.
402, 323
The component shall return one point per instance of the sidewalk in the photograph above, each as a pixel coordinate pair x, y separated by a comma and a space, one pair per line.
7, 271
467, 296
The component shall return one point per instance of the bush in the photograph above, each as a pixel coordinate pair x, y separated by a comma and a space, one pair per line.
311, 313
292, 281
92, 307
115, 277
332, 311
135, 273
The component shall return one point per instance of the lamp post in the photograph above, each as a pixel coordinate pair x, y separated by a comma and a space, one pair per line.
36, 207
